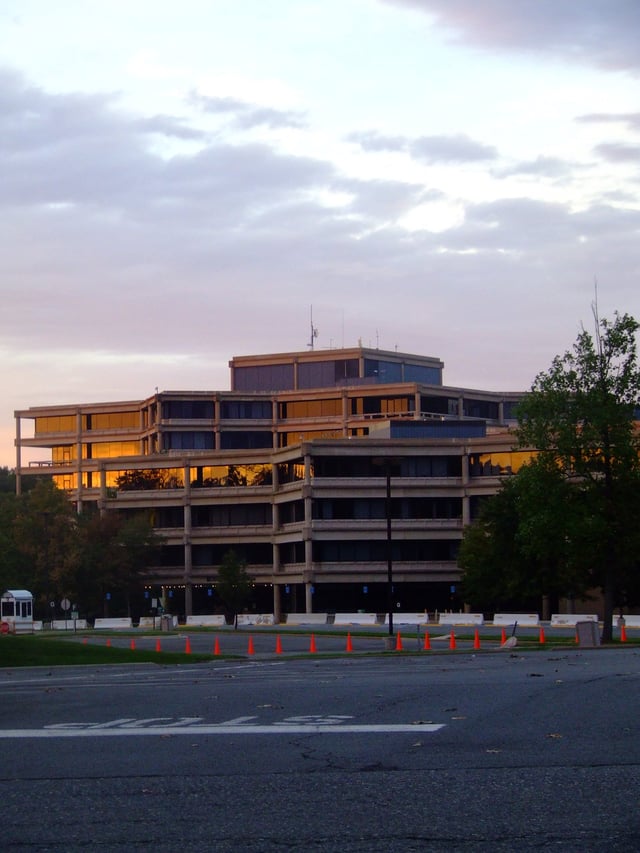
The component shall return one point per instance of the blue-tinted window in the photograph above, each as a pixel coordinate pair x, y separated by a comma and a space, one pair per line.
187, 409
383, 371
245, 409
422, 373
188, 441
268, 377
249, 440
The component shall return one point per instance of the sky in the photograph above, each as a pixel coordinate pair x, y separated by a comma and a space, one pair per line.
181, 183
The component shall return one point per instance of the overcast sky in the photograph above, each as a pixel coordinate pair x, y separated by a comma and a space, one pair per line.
181, 182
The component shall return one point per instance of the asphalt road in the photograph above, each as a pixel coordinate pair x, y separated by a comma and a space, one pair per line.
493, 751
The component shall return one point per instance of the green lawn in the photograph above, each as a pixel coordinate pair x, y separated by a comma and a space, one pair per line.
42, 651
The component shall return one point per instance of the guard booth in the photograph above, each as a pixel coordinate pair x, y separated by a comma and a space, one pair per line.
16, 612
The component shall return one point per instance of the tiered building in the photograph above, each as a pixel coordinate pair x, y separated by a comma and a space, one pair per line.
309, 468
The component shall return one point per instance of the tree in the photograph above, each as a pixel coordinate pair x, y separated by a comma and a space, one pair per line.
580, 418
114, 550
234, 584
521, 546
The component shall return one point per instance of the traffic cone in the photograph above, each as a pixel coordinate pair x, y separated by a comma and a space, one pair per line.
452, 640
278, 645
503, 637
623, 633
158, 647
108, 642
427, 642
349, 643
84, 641
476, 640
312, 645
216, 647
187, 647
133, 645
542, 640
398, 642
250, 649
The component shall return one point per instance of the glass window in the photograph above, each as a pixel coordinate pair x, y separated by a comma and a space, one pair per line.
268, 377
246, 440
112, 420
188, 409
245, 409
383, 371
188, 441
423, 374
497, 464
210, 476
57, 423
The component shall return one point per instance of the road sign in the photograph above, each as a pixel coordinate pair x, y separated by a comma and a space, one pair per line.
65, 604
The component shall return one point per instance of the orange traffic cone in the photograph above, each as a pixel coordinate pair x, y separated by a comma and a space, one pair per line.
542, 640
349, 643
133, 645
427, 642
158, 648
623, 633
452, 640
398, 642
476, 640
250, 649
187, 647
503, 637
84, 641
278, 645
216, 646
312, 645
108, 642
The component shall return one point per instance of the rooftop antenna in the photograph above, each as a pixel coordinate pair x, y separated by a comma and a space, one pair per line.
314, 331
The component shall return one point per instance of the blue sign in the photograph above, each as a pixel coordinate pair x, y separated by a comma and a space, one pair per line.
209, 592
108, 596
453, 588
287, 589
365, 589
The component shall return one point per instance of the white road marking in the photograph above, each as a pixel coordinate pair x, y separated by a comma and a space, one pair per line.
222, 729
164, 726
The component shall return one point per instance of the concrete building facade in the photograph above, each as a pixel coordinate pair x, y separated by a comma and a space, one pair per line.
309, 468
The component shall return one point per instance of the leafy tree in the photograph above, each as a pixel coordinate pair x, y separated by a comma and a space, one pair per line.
114, 550
579, 416
234, 584
521, 546
45, 531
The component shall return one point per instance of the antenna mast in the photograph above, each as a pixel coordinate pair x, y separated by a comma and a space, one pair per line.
314, 331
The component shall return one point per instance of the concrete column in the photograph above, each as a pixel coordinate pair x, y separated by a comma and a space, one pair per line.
277, 607
79, 461
188, 556
308, 598
18, 455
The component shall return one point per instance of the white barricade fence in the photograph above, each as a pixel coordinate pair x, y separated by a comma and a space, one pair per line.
407, 618
255, 619
306, 618
113, 622
37, 625
68, 624
569, 620
355, 619
460, 619
631, 620
526, 620
207, 620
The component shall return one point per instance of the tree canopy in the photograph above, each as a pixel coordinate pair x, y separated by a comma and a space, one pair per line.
568, 520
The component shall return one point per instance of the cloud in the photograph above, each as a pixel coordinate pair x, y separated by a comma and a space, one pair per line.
451, 149
541, 167
631, 120
372, 140
619, 152
593, 32
245, 115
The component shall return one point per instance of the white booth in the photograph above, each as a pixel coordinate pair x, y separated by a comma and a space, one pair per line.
16, 611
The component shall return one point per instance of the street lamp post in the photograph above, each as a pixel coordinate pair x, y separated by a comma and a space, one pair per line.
389, 548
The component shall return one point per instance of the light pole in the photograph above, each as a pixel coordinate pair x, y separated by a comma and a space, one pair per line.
385, 462
387, 468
